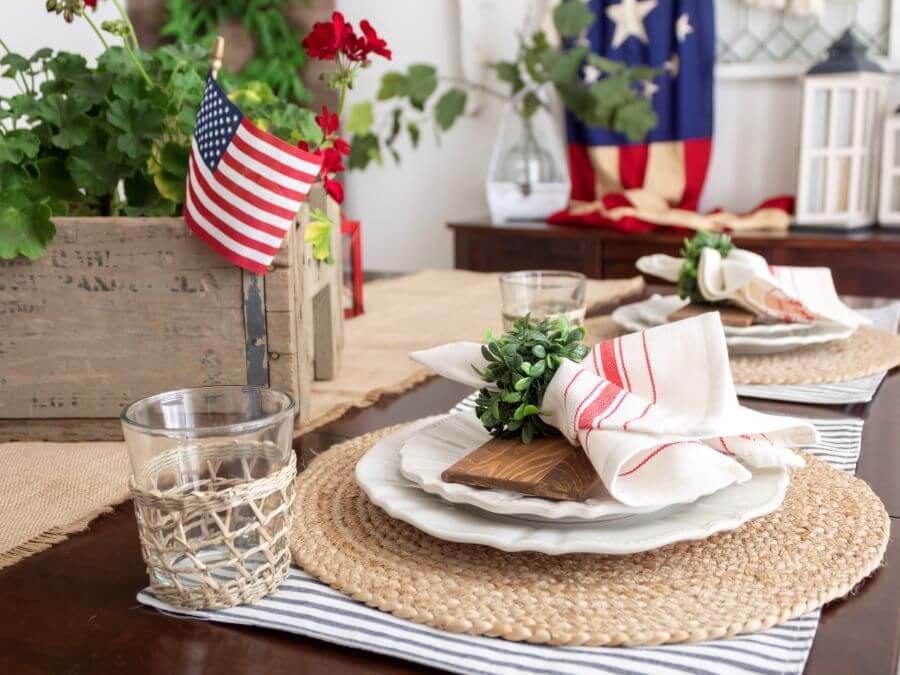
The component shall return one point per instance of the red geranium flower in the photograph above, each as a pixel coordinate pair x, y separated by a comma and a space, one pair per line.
90, 3
327, 39
373, 42
335, 189
327, 121
324, 40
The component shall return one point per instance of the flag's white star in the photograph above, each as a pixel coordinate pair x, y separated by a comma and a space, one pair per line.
683, 27
673, 65
628, 16
591, 74
650, 88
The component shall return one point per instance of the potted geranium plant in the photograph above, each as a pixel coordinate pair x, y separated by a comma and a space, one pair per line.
126, 301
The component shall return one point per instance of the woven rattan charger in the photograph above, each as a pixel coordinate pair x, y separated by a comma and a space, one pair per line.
830, 533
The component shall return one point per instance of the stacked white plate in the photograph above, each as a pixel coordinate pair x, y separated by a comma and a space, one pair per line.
402, 475
767, 338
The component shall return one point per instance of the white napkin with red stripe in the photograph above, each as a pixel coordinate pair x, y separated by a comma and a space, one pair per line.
774, 293
656, 412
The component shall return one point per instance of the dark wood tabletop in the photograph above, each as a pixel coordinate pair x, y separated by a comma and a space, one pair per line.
72, 609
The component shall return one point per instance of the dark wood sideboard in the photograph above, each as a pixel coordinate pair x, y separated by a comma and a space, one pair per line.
864, 262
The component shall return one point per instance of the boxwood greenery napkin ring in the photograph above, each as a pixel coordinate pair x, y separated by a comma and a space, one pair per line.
521, 363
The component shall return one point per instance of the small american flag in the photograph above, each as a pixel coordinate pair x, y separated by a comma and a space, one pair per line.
244, 186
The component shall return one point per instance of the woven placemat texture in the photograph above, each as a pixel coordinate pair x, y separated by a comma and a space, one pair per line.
830, 533
52, 490
418, 311
866, 352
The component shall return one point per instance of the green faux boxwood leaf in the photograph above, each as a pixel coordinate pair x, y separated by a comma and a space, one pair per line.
25, 226
511, 407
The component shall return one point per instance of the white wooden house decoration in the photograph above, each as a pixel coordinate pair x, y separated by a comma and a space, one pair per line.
844, 100
889, 199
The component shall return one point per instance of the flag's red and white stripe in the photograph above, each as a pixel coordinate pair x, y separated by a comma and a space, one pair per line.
245, 207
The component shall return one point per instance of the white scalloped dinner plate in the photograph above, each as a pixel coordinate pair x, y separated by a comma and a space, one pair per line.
755, 339
440, 444
378, 474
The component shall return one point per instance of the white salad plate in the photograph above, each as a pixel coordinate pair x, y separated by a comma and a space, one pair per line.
755, 339
378, 474
440, 444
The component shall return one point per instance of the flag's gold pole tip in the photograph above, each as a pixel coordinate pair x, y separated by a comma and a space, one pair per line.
215, 58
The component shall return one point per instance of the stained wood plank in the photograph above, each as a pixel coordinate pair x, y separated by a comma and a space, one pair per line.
546, 467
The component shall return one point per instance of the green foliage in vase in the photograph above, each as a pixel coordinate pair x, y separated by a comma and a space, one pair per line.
419, 95
687, 276
279, 59
520, 365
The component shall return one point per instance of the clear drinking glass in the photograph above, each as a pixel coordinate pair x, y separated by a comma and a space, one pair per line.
205, 440
543, 294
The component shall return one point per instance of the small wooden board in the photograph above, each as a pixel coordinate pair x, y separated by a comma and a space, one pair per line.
731, 315
546, 467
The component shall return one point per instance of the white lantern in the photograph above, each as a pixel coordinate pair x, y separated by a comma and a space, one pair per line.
844, 99
889, 200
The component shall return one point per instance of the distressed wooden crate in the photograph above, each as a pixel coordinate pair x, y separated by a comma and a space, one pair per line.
121, 308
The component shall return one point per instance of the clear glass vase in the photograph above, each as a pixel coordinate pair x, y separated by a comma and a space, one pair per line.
527, 177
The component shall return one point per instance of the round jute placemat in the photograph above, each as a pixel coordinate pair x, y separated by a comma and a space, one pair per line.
866, 352
830, 533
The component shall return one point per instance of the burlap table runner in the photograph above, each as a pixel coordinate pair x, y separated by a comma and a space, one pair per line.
829, 534
51, 490
414, 312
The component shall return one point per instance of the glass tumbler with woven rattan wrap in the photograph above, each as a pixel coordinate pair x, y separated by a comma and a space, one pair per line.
213, 487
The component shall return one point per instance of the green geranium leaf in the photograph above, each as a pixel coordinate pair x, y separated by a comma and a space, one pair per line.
309, 130
93, 166
141, 193
252, 94
54, 181
364, 148
17, 145
171, 172
421, 81
15, 64
572, 18
449, 106
139, 125
360, 119
66, 66
318, 233
393, 84
25, 226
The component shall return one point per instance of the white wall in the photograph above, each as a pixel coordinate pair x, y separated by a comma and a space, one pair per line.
27, 27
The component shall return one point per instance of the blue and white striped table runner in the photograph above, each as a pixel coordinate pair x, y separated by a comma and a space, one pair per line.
304, 606
861, 390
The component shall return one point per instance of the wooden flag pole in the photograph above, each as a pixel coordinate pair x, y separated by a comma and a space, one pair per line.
215, 58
